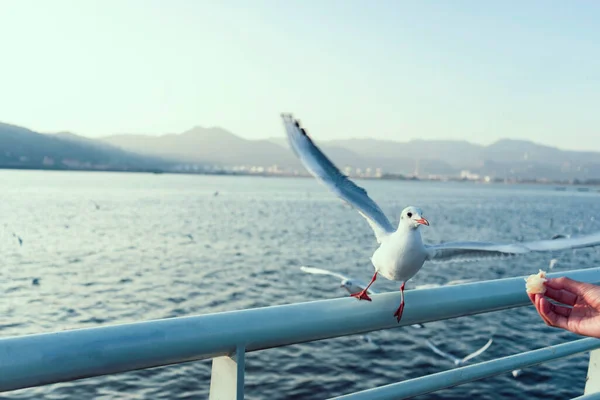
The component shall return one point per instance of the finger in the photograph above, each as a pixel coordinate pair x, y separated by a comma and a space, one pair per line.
536, 303
564, 283
554, 319
531, 297
538, 307
562, 296
561, 310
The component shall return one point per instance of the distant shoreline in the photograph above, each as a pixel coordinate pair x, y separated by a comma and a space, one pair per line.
561, 185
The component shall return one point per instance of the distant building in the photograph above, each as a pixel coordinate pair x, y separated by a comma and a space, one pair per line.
468, 175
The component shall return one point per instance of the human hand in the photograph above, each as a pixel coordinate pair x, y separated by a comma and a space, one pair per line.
579, 311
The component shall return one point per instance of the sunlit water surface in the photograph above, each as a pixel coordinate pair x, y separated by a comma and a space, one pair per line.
131, 259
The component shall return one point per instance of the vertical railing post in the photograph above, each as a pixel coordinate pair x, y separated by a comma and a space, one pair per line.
227, 376
592, 381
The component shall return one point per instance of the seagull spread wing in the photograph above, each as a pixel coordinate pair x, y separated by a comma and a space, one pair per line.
439, 352
352, 285
320, 271
455, 360
478, 352
565, 243
456, 251
325, 171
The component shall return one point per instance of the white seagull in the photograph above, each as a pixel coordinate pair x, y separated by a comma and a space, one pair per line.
401, 252
455, 360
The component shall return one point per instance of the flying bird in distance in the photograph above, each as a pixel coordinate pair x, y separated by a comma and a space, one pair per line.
458, 361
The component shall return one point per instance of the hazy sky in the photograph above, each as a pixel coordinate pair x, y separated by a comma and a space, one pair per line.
473, 70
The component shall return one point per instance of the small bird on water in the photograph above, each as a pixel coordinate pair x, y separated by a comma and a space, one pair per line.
401, 252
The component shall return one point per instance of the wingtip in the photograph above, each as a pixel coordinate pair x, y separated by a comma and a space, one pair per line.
290, 118
286, 116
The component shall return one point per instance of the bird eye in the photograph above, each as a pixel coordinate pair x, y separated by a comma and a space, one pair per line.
409, 215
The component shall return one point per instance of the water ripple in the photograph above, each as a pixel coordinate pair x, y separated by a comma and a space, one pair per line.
132, 260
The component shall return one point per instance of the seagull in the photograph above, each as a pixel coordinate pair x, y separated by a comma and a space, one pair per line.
553, 263
96, 205
18, 238
189, 235
401, 252
455, 360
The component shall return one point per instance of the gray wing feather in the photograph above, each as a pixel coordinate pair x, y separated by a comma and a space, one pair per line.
456, 251
565, 243
320, 271
326, 172
439, 352
478, 352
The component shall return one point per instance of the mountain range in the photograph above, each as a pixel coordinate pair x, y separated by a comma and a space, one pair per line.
504, 159
26, 149
23, 148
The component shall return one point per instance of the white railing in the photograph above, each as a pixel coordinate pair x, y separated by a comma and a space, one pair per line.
41, 359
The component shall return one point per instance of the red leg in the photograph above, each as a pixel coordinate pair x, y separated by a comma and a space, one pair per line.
398, 313
362, 295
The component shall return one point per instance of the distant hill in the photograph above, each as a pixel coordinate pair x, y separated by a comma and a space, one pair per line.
505, 158
24, 148
221, 147
205, 145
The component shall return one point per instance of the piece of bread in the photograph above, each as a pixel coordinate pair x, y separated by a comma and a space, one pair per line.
535, 283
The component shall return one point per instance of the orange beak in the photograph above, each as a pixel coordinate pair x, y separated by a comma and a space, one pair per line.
422, 221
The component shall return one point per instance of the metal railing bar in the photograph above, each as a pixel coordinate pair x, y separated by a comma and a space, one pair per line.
446, 379
41, 359
591, 396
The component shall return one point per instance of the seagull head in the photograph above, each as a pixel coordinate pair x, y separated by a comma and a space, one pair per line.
412, 217
350, 286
